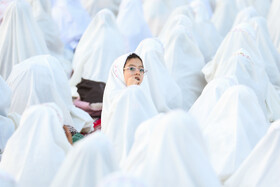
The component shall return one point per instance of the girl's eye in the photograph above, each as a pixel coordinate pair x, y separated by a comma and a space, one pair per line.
142, 70
132, 68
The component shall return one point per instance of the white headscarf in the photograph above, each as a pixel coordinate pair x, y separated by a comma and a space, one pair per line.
6, 125
224, 15
72, 20
169, 151
36, 150
20, 37
124, 108
94, 6
209, 97
41, 79
261, 167
184, 61
233, 128
100, 45
164, 91
91, 159
132, 23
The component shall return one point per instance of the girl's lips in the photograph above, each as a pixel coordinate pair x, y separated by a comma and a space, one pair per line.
137, 78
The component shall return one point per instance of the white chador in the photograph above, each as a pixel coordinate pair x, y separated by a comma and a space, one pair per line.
7, 126
246, 70
20, 37
41, 79
36, 150
205, 33
132, 23
94, 6
156, 12
121, 179
72, 20
99, 46
184, 62
262, 6
273, 23
91, 159
243, 36
169, 151
162, 88
124, 108
209, 97
261, 167
42, 14
267, 49
224, 15
6, 179
234, 127
245, 15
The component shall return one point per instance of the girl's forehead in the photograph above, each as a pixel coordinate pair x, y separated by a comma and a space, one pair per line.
134, 61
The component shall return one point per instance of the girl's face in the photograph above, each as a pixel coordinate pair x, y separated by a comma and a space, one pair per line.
133, 72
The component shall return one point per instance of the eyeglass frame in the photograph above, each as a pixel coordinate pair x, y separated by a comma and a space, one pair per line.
135, 68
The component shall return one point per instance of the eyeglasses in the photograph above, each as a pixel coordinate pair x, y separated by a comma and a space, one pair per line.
133, 69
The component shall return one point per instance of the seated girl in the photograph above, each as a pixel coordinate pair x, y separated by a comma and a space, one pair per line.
125, 103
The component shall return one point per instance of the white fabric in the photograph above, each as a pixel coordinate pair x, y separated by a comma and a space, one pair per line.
267, 49
3, 6
36, 150
94, 6
72, 20
262, 6
124, 108
209, 97
262, 165
20, 37
178, 18
242, 36
274, 23
169, 151
245, 70
234, 127
184, 61
41, 79
42, 14
6, 180
132, 23
100, 45
224, 15
205, 33
87, 163
156, 13
7, 126
162, 88
245, 15
120, 179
